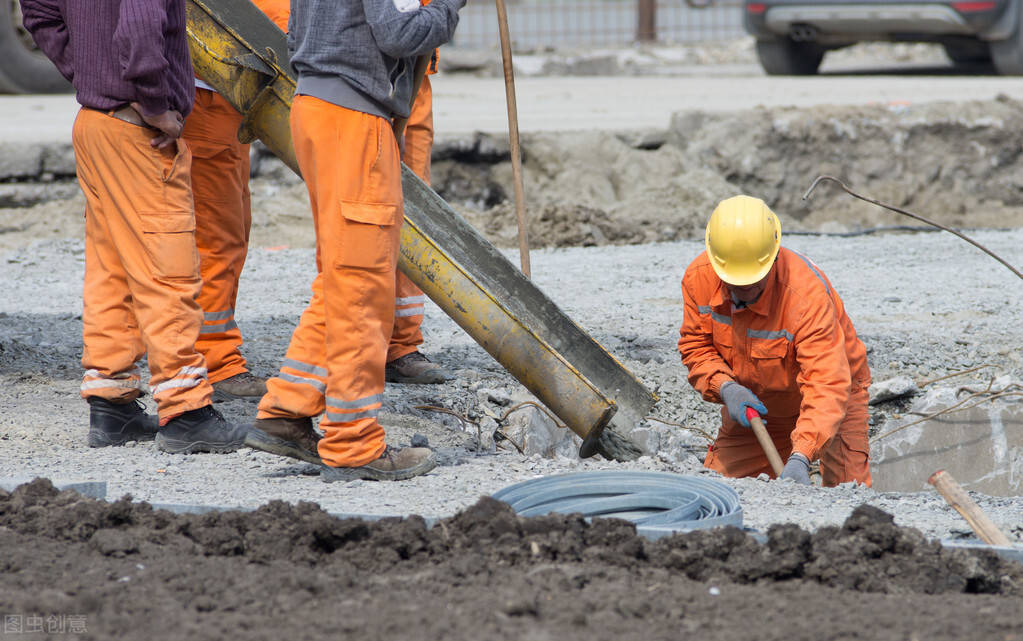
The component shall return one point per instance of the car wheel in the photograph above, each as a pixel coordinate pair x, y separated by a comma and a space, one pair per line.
1008, 54
24, 68
786, 57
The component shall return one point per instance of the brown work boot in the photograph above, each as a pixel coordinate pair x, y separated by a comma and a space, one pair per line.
244, 385
294, 437
395, 464
415, 368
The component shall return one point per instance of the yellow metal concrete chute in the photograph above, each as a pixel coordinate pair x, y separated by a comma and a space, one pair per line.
243, 55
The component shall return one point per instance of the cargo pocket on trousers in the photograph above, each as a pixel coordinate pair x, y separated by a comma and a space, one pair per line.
368, 240
169, 239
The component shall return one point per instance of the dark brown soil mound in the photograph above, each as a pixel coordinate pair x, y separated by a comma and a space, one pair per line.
125, 570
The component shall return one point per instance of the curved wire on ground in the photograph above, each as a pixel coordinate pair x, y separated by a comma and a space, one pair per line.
658, 503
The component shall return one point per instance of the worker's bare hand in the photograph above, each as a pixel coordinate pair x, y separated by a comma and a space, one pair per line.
170, 123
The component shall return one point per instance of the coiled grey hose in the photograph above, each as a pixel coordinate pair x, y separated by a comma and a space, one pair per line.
658, 503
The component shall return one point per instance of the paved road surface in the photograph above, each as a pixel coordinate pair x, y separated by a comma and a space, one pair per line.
465, 104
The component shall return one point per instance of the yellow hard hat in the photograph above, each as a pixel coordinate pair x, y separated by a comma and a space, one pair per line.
743, 238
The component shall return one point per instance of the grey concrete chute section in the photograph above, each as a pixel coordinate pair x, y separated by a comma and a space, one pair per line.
236, 50
982, 446
518, 299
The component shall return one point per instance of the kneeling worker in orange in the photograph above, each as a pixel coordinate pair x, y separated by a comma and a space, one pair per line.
354, 62
764, 328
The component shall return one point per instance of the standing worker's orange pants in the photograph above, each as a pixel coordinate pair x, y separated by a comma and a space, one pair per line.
223, 217
737, 453
410, 302
141, 266
335, 361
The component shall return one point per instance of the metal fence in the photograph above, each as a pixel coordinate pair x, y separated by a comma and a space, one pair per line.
542, 24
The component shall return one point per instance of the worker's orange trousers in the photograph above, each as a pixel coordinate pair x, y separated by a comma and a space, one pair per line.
141, 266
410, 302
846, 457
220, 185
335, 361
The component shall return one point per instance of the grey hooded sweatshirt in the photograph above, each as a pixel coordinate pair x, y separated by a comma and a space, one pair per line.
359, 54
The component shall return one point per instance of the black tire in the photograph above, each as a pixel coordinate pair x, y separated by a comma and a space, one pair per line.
968, 52
23, 68
786, 57
1008, 54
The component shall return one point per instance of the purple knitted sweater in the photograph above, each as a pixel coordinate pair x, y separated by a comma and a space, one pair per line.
116, 52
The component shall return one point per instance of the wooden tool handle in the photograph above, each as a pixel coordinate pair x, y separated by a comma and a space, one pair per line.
765, 441
961, 501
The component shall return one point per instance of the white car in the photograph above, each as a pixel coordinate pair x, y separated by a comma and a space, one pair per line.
793, 35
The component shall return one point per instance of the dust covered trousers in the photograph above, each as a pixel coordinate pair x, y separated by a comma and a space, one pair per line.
410, 301
223, 217
141, 266
797, 351
335, 361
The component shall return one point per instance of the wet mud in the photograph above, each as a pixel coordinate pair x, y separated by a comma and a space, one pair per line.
125, 570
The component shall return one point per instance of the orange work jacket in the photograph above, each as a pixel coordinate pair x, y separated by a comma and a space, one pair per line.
795, 347
276, 10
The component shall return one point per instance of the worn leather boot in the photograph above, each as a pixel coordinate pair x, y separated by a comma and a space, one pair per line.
117, 423
415, 368
200, 430
294, 437
244, 385
395, 464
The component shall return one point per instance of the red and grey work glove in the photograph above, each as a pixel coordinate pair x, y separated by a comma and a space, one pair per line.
797, 468
737, 398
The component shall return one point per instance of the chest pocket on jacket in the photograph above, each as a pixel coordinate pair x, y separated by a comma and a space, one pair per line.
723, 341
771, 358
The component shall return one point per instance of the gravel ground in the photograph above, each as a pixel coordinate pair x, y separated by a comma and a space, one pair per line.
925, 305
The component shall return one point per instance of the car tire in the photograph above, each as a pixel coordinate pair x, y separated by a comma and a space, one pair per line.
1007, 54
24, 69
786, 57
968, 52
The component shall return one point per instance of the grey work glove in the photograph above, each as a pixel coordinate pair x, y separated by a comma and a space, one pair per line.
797, 468
737, 398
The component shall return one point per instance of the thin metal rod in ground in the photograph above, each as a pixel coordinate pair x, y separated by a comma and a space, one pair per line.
958, 407
543, 409
444, 410
952, 375
912, 215
696, 430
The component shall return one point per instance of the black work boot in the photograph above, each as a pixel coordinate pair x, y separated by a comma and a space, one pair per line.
117, 423
200, 430
395, 464
294, 437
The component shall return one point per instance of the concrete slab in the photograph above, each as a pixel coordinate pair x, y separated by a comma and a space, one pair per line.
982, 448
92, 489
